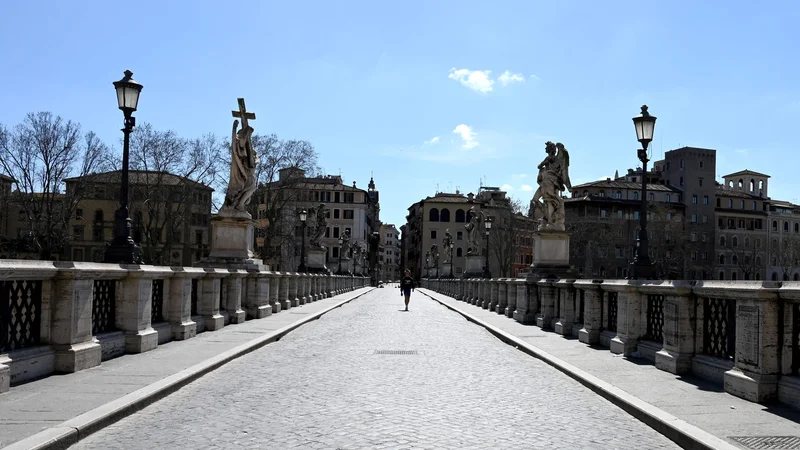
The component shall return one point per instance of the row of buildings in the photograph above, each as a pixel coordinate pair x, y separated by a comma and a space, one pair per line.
698, 228
171, 219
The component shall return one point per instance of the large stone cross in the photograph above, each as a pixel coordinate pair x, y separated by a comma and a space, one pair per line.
243, 114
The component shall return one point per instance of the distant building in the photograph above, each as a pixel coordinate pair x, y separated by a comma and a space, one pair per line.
389, 253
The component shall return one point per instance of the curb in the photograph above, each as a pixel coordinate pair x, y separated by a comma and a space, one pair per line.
67, 433
679, 431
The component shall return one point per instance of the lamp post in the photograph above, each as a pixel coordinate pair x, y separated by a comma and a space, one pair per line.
123, 249
427, 264
451, 260
488, 225
339, 270
642, 267
302, 268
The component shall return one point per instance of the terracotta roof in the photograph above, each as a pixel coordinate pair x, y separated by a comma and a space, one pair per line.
612, 184
723, 192
139, 177
746, 172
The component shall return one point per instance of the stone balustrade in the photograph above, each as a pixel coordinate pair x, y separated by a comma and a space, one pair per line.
744, 335
62, 317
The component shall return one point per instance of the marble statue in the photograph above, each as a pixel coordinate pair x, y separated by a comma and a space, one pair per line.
242, 183
359, 251
547, 204
320, 214
473, 228
345, 244
448, 239
435, 255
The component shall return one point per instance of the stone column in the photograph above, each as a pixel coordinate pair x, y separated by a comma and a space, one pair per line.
257, 301
527, 301
71, 315
788, 385
757, 367
208, 299
511, 298
547, 296
502, 296
329, 285
283, 295
592, 310
680, 320
629, 315
178, 304
494, 286
274, 289
291, 298
234, 290
135, 305
565, 295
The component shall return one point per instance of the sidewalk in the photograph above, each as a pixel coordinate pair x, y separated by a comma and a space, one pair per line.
42, 406
691, 399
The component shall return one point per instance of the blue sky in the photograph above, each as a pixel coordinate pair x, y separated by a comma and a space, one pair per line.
402, 89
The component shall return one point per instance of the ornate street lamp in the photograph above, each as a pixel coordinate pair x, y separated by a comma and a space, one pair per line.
488, 224
451, 260
427, 264
642, 267
341, 242
123, 249
302, 268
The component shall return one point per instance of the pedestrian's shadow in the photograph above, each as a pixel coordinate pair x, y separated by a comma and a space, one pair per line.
403, 310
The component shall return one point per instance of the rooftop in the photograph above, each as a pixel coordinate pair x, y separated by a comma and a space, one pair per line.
140, 177
746, 172
725, 192
614, 184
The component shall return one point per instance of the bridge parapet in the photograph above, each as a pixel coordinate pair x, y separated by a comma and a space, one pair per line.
62, 317
742, 334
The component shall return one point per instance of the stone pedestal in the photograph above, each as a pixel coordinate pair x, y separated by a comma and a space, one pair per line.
134, 307
345, 266
447, 270
592, 311
551, 256
630, 317
316, 260
231, 237
474, 266
680, 321
526, 302
178, 305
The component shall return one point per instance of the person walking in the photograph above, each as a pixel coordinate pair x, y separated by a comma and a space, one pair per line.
407, 285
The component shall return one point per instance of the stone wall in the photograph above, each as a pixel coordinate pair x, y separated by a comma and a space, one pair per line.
742, 334
62, 317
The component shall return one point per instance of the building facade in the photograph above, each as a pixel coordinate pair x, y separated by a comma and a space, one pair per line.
389, 254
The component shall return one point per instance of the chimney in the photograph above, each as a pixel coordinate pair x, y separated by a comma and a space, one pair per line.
470, 196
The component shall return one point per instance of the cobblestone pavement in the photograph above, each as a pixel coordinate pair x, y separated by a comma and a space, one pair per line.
327, 385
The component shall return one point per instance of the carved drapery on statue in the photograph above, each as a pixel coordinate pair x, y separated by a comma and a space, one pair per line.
448, 239
320, 215
242, 183
473, 227
345, 244
547, 205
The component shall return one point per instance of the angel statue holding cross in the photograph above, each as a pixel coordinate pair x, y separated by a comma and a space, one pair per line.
242, 183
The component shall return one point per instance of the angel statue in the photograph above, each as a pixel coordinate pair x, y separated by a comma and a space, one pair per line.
435, 255
320, 214
446, 242
473, 228
345, 238
547, 205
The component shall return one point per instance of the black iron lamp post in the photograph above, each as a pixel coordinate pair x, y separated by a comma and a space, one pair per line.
451, 260
642, 268
302, 268
339, 270
427, 264
123, 249
488, 224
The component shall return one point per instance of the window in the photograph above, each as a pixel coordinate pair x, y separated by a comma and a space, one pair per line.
336, 213
705, 218
703, 237
693, 237
328, 232
459, 235
459, 252
774, 225
694, 256
98, 216
348, 214
618, 252
721, 275
754, 205
326, 196
735, 241
77, 233
681, 181
433, 215
79, 214
705, 256
651, 196
694, 199
336, 197
619, 213
694, 218
603, 213
636, 196
618, 195
668, 198
636, 215
719, 202
701, 165
335, 232
797, 228
741, 204
97, 234
758, 243
460, 217
722, 241
444, 215
785, 226
335, 252
433, 234
682, 166
349, 197
602, 193
722, 259
705, 199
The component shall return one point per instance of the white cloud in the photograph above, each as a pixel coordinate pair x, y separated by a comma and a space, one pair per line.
432, 141
477, 80
519, 176
534, 77
506, 187
507, 78
527, 188
467, 136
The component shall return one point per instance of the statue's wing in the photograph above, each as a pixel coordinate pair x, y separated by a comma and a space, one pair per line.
565, 168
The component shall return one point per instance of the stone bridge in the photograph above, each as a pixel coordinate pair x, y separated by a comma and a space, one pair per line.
369, 375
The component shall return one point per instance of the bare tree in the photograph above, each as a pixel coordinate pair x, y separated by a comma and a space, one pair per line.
786, 254
745, 255
669, 252
272, 204
40, 153
509, 226
171, 172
